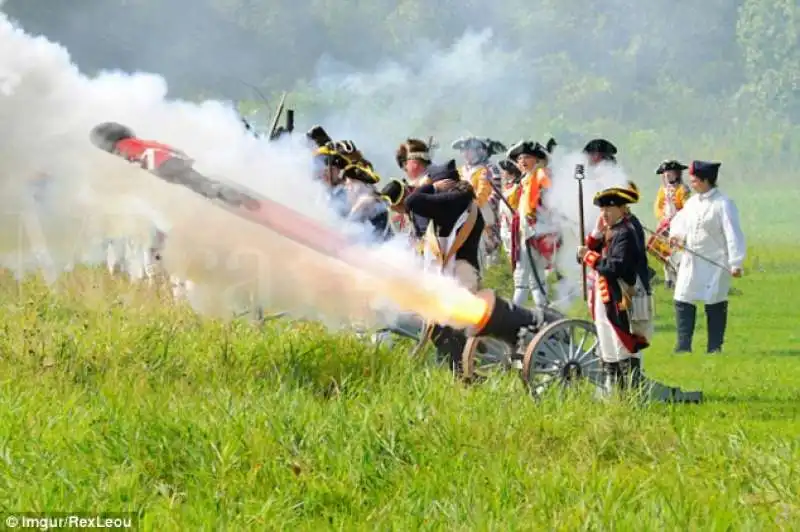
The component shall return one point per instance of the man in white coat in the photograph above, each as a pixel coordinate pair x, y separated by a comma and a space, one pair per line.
709, 226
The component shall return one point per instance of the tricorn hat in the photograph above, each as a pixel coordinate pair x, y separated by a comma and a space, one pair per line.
705, 170
413, 149
617, 196
362, 173
331, 156
318, 135
449, 170
669, 165
602, 147
510, 166
492, 147
528, 147
394, 191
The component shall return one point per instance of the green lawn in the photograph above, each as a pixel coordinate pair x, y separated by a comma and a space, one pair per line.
111, 401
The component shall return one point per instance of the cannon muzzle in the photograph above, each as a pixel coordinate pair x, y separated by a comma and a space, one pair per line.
505, 321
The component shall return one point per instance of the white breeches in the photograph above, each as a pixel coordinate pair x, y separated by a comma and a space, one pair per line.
611, 347
505, 238
525, 280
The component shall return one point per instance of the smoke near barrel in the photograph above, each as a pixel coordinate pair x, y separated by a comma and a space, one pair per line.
65, 196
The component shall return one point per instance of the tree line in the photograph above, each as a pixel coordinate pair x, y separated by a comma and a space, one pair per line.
719, 78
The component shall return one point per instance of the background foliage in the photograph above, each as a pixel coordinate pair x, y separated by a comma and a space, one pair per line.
715, 79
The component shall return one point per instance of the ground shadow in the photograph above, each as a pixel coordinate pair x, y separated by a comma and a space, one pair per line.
783, 352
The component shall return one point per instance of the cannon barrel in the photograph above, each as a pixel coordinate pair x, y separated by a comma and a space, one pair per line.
504, 320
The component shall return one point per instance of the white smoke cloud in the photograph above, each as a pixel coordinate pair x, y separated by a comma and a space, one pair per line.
61, 195
562, 200
470, 88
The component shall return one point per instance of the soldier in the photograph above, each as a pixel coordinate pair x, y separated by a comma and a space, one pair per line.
621, 302
708, 225
452, 238
351, 181
671, 197
534, 249
600, 151
485, 180
414, 157
510, 175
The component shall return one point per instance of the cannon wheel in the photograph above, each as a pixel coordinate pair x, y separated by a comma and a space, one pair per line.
421, 338
562, 352
483, 355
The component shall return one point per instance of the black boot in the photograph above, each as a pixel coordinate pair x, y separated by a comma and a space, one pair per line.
635, 378
716, 322
612, 378
449, 344
685, 316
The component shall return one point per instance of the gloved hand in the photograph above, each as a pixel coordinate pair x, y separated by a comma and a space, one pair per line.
581, 253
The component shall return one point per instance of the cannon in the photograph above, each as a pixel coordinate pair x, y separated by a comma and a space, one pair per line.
548, 349
545, 346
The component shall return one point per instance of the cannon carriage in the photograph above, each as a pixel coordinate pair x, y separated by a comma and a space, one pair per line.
549, 350
546, 348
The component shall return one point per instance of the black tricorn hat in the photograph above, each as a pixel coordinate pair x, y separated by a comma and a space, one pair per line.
394, 191
705, 170
528, 147
319, 136
617, 196
601, 146
362, 173
510, 166
331, 156
448, 170
669, 165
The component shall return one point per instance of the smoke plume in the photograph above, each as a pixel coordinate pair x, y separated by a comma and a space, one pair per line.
473, 87
61, 196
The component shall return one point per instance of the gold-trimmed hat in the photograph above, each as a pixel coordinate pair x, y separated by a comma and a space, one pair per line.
329, 155
671, 164
394, 192
617, 196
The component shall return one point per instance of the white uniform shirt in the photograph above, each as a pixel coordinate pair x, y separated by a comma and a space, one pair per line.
709, 222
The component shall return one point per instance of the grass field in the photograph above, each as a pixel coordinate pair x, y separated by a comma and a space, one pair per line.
111, 402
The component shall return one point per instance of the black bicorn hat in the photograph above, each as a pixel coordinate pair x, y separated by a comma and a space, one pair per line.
705, 170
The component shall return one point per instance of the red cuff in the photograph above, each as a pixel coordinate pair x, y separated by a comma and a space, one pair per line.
593, 243
591, 258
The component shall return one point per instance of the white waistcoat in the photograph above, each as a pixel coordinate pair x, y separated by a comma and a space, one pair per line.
431, 254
